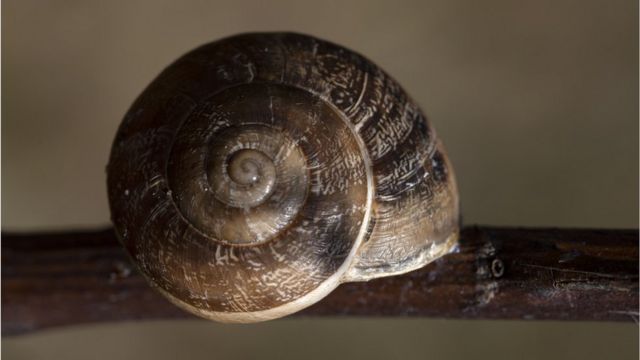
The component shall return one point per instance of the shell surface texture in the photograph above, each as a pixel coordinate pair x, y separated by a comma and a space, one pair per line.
258, 172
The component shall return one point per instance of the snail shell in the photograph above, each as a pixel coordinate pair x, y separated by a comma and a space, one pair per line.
257, 173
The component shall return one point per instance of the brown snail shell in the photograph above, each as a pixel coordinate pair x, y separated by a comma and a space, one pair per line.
257, 173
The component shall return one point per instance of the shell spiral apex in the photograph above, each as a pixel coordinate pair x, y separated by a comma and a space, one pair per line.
258, 172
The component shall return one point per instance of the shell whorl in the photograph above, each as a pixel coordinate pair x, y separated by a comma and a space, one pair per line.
248, 167
258, 172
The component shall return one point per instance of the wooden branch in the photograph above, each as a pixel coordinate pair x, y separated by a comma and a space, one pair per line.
496, 273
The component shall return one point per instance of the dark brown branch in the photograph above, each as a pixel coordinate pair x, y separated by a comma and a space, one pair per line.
497, 273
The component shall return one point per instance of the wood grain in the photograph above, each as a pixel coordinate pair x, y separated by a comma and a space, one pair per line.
58, 279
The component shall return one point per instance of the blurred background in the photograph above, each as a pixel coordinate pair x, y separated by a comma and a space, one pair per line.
536, 101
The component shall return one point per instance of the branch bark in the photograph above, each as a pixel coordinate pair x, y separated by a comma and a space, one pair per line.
71, 278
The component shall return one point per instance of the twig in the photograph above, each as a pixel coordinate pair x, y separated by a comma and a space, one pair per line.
496, 273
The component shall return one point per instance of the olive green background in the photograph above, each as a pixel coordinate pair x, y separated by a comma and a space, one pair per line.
536, 101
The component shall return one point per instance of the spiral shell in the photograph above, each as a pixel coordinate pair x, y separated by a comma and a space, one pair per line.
258, 172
